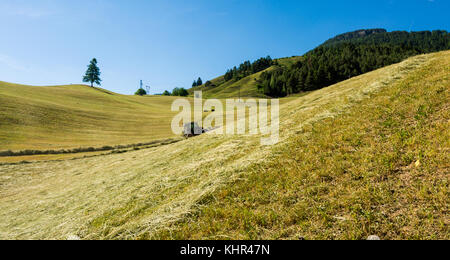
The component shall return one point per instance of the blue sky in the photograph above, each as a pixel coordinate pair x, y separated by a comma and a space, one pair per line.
170, 43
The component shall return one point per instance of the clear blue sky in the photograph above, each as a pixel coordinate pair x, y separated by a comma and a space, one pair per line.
170, 43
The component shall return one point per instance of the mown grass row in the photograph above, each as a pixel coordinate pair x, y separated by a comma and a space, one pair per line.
10, 153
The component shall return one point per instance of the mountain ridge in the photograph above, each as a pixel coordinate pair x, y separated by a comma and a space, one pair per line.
375, 48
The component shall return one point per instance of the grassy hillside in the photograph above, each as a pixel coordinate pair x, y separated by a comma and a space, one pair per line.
65, 117
366, 156
246, 87
381, 167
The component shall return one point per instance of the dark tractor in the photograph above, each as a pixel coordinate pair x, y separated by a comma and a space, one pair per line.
192, 129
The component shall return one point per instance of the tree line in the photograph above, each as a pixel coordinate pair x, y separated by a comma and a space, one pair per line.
247, 68
338, 60
179, 92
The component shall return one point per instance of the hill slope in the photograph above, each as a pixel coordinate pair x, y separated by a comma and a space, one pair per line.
380, 168
65, 117
245, 87
342, 170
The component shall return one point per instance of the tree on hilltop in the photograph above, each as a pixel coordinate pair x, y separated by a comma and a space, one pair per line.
93, 73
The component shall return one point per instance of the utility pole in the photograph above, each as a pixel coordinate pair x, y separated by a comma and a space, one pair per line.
141, 86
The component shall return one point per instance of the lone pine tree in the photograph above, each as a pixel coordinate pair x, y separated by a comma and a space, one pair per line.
92, 73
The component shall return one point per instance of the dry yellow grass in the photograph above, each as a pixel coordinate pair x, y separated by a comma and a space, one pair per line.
73, 116
140, 194
381, 168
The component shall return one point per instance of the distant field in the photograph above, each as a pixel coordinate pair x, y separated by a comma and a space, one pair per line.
65, 117
365, 156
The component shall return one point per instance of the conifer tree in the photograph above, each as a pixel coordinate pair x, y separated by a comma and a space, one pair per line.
93, 73
199, 82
